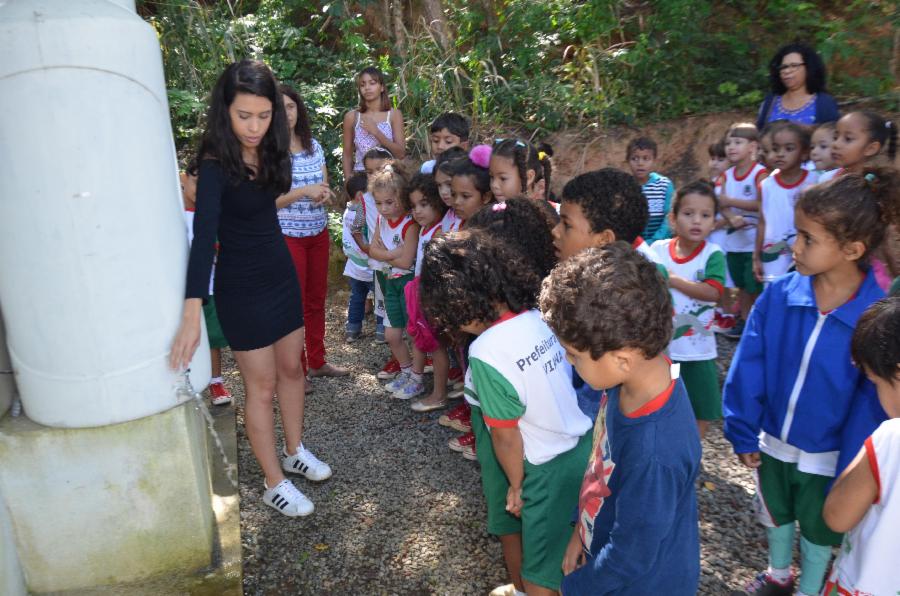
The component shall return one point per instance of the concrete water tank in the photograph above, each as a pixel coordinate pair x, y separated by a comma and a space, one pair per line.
92, 251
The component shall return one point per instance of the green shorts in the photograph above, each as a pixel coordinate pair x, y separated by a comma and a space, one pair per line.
213, 328
550, 496
494, 483
394, 298
701, 379
740, 267
785, 495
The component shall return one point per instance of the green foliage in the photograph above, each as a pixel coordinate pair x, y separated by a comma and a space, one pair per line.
533, 66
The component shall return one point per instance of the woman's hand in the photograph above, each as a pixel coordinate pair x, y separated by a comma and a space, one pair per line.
574, 557
188, 337
370, 128
514, 501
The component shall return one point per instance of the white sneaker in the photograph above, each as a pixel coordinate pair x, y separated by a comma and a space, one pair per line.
305, 463
287, 499
398, 383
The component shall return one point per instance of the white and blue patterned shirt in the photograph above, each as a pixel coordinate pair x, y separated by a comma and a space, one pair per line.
304, 218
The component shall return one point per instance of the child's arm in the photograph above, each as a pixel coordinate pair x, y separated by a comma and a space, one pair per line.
510, 452
376, 249
758, 244
404, 257
360, 241
664, 230
644, 515
855, 490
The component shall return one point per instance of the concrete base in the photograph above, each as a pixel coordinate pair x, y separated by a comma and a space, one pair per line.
108, 505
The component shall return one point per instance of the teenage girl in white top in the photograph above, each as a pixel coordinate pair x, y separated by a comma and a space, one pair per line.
374, 124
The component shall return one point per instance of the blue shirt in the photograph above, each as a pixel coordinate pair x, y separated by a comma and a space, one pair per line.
804, 115
304, 218
637, 510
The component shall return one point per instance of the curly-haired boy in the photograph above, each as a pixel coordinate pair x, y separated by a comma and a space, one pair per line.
636, 530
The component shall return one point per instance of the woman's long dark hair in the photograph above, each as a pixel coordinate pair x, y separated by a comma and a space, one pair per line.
301, 129
219, 141
815, 68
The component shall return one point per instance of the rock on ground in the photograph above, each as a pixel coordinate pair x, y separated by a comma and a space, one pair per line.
405, 515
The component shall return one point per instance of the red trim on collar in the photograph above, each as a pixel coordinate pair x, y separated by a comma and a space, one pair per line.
394, 223
424, 232
780, 181
506, 316
681, 260
654, 404
747, 173
637, 242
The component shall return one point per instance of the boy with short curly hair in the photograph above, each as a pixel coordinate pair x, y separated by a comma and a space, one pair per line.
636, 530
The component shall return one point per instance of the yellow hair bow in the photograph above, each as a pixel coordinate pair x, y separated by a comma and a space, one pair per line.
542, 156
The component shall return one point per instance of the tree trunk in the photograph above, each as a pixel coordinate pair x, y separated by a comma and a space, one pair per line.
490, 14
398, 27
895, 58
437, 23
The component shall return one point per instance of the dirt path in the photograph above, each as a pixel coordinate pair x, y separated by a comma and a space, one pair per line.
404, 515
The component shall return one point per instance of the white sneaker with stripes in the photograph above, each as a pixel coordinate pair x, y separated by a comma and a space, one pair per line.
305, 463
287, 499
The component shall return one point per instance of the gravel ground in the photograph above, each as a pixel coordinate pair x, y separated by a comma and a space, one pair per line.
405, 515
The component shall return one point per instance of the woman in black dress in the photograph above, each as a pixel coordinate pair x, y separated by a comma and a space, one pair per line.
244, 165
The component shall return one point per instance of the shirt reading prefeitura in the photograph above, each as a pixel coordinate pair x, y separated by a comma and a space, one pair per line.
519, 376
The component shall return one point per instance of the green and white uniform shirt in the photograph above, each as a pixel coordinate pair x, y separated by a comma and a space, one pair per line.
778, 200
693, 338
745, 188
357, 265
519, 376
392, 233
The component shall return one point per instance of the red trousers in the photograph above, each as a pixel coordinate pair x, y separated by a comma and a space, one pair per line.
311, 261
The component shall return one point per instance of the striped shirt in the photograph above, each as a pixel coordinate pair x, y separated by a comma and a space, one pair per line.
304, 218
658, 191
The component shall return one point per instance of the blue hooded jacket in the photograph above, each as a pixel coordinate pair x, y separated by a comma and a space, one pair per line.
792, 374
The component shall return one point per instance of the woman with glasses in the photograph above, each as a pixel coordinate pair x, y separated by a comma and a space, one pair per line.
797, 77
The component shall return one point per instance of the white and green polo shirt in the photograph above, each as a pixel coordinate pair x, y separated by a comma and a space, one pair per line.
693, 338
519, 376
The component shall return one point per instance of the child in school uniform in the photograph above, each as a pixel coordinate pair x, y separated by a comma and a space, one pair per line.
636, 528
739, 200
792, 397
532, 438
696, 273
357, 269
864, 501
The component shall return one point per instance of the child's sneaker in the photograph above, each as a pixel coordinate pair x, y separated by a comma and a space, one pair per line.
459, 443
219, 395
469, 452
305, 463
429, 366
410, 389
736, 331
765, 585
456, 393
390, 370
287, 499
352, 336
722, 323
459, 418
455, 378
398, 383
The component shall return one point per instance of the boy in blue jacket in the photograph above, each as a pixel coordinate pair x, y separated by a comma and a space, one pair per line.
636, 530
796, 408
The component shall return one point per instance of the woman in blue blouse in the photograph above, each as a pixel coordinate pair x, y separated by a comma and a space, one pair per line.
797, 75
303, 219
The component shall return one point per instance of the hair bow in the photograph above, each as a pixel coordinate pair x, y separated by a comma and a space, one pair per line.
498, 207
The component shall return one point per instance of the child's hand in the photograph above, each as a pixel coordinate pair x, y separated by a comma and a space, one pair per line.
751, 460
514, 501
757, 268
737, 222
574, 557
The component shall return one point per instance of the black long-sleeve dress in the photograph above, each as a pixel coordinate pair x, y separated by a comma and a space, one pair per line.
257, 293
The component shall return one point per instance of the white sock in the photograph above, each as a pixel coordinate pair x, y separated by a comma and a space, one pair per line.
215, 380
406, 368
782, 576
417, 377
518, 593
